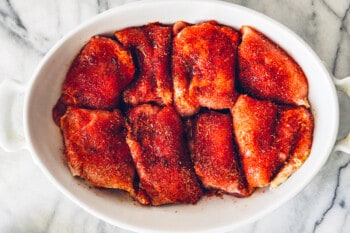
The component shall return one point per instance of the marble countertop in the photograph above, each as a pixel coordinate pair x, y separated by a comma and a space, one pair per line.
30, 203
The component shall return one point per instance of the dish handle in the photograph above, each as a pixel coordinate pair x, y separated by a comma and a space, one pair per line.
11, 119
343, 85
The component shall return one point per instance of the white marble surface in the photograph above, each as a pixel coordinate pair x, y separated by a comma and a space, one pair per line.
30, 203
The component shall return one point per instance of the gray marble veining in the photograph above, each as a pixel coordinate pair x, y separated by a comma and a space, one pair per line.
30, 203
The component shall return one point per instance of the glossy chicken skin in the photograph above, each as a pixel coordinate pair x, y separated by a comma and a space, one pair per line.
269, 136
203, 66
214, 154
268, 72
151, 45
98, 75
96, 149
157, 145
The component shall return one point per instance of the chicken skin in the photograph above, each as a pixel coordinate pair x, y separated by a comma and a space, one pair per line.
214, 154
157, 144
268, 72
295, 134
254, 125
98, 75
96, 149
203, 66
270, 137
151, 45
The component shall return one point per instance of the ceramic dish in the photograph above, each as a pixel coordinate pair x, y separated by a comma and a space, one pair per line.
43, 139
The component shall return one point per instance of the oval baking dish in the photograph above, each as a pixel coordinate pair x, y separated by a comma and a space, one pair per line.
44, 141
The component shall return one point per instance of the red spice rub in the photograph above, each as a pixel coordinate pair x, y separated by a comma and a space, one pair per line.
96, 149
98, 74
270, 137
151, 45
203, 67
165, 74
214, 155
268, 72
157, 145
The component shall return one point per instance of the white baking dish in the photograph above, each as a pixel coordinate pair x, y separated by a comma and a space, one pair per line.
211, 214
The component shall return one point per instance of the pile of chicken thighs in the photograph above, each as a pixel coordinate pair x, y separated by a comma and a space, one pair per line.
169, 113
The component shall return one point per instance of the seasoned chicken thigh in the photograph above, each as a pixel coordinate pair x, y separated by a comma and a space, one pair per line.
254, 124
151, 45
157, 145
203, 66
98, 75
96, 149
294, 136
268, 72
214, 155
271, 137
